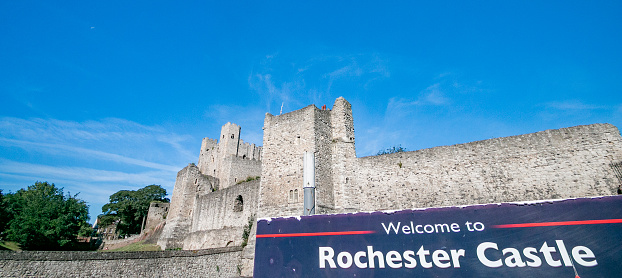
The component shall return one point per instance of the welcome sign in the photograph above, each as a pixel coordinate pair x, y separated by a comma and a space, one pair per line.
560, 238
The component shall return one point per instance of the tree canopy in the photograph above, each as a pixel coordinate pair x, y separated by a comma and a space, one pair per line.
42, 217
130, 208
393, 149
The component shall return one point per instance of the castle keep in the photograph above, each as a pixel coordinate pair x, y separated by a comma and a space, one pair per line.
210, 205
214, 200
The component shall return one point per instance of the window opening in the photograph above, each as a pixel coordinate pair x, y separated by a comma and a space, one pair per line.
239, 204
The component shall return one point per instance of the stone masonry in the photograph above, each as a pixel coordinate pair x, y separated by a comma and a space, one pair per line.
221, 262
552, 164
210, 207
212, 201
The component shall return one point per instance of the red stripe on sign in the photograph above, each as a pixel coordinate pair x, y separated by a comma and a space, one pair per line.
563, 223
319, 234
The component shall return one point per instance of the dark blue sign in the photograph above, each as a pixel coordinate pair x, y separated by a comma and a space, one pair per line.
563, 238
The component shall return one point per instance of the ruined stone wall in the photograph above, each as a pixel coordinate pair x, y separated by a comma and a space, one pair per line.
324, 197
242, 168
249, 151
236, 169
220, 216
189, 183
286, 138
562, 163
329, 134
343, 154
208, 162
222, 164
222, 262
229, 159
157, 214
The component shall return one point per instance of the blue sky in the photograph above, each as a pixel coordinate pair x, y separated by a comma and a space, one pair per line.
100, 96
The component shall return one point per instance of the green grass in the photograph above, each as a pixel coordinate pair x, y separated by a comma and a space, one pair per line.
138, 246
9, 245
249, 179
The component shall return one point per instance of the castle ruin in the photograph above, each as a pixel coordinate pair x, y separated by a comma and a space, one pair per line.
214, 200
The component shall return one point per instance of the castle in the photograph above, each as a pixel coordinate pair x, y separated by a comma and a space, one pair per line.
235, 182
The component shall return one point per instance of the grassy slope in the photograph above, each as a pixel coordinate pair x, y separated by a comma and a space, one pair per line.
9, 245
138, 246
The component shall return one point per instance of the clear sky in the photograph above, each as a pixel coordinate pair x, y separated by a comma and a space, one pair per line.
100, 96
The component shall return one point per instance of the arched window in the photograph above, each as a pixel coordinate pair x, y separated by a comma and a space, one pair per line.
239, 204
232, 136
291, 196
296, 196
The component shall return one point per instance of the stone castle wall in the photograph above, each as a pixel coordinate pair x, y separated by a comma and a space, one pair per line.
240, 169
219, 217
199, 216
552, 164
563, 163
229, 159
189, 183
157, 214
222, 262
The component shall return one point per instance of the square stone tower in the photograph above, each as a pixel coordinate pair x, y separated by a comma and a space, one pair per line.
329, 134
231, 159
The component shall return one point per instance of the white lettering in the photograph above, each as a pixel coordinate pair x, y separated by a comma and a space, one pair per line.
439, 257
455, 257
357, 259
409, 257
580, 253
442, 227
422, 253
530, 253
481, 249
514, 259
405, 229
394, 260
326, 255
546, 250
347, 263
371, 255
563, 252
391, 227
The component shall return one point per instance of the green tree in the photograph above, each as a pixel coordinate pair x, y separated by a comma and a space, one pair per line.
5, 217
44, 218
131, 207
393, 149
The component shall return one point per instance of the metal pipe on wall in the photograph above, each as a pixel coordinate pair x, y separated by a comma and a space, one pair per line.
308, 179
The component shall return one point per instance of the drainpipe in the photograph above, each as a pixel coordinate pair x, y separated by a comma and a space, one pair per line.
308, 179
